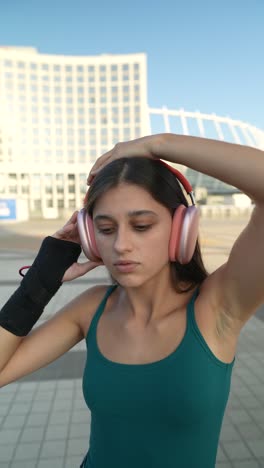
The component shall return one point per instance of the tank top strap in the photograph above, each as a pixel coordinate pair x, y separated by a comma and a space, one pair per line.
100, 310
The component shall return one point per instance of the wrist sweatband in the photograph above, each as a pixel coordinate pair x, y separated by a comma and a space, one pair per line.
39, 285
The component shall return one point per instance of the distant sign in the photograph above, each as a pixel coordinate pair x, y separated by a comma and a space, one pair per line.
8, 209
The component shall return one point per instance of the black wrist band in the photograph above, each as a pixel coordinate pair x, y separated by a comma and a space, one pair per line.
39, 285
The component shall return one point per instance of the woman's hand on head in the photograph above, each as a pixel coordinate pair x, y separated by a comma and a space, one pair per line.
139, 147
69, 232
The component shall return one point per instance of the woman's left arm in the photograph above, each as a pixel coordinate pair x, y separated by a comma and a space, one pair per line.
239, 282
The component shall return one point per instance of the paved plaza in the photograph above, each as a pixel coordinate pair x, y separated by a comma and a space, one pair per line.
44, 422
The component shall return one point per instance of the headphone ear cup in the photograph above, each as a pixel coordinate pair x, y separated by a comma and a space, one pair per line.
87, 237
184, 234
176, 228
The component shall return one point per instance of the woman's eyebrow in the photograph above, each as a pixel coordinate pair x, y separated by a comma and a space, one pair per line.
130, 214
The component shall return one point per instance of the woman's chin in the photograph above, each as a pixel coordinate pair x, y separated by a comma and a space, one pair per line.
127, 281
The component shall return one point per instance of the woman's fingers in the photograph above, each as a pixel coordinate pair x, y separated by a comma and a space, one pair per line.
69, 231
137, 147
79, 269
98, 165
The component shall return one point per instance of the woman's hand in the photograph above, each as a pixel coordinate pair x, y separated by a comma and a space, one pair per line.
139, 147
69, 232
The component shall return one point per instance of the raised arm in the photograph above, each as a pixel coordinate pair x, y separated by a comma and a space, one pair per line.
55, 263
47, 342
238, 284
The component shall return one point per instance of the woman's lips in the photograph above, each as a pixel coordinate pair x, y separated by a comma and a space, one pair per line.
126, 267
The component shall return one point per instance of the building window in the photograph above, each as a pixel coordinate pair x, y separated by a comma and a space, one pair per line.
127, 133
37, 204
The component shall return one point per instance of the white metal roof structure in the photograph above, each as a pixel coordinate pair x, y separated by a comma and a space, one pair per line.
208, 126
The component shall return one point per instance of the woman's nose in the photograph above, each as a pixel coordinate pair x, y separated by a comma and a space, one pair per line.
122, 241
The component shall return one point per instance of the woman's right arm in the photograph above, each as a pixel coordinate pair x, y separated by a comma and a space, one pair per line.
20, 356
55, 263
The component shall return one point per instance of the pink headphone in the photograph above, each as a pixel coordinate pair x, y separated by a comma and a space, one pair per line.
184, 232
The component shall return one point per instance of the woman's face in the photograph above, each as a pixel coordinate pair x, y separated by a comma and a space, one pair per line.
132, 226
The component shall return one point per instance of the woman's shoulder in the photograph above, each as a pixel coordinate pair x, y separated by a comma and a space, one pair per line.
87, 303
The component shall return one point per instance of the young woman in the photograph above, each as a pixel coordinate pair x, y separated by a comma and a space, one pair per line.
162, 338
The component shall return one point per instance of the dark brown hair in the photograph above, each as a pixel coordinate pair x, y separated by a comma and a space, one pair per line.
164, 187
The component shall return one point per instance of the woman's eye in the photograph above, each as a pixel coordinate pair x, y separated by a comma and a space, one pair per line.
138, 227
142, 227
105, 231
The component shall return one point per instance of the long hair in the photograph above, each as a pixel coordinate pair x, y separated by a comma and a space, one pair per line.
164, 187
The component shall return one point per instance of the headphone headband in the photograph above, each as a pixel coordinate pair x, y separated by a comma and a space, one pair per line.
186, 184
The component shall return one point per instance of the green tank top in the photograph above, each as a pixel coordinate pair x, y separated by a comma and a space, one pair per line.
164, 414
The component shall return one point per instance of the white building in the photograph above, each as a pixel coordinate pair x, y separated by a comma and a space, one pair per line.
57, 115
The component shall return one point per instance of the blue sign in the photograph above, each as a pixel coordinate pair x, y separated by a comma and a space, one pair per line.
8, 209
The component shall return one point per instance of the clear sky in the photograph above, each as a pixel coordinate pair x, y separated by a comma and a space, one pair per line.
205, 55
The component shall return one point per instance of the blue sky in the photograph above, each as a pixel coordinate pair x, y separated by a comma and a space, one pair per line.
202, 55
